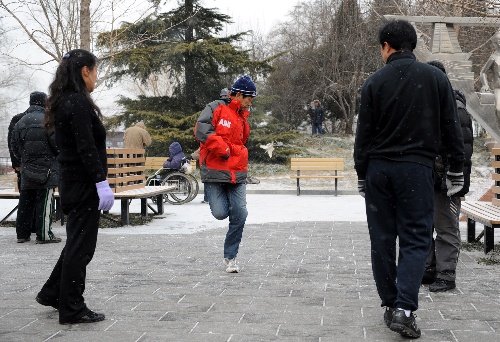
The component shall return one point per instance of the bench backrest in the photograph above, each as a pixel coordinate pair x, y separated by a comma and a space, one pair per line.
126, 168
155, 163
317, 164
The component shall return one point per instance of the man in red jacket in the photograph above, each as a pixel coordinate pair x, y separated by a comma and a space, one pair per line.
224, 162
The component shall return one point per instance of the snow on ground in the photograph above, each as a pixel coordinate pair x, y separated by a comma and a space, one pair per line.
195, 216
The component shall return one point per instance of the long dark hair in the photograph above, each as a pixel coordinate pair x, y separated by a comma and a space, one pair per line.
68, 78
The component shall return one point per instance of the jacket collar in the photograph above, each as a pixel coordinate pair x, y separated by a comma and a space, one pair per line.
400, 55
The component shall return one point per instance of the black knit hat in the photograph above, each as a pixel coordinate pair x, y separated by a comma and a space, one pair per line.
38, 98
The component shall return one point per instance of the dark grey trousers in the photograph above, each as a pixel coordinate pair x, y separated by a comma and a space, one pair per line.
446, 245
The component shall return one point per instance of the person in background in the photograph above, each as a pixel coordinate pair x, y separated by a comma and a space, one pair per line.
83, 188
441, 263
37, 150
317, 118
222, 134
136, 136
406, 109
176, 156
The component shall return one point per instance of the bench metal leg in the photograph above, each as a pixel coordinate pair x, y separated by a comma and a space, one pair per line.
125, 216
298, 183
336, 183
471, 230
144, 207
489, 242
159, 204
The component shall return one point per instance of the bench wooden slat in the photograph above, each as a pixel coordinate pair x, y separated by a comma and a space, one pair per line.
484, 212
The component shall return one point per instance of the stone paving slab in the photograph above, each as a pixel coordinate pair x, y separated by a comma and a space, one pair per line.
299, 281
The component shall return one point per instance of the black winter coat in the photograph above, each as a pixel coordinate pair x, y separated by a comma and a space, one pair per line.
81, 139
406, 107
36, 148
441, 164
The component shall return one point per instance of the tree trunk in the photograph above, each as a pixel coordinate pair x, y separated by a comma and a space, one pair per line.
189, 71
85, 24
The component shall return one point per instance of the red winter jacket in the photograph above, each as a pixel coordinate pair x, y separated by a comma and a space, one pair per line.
223, 133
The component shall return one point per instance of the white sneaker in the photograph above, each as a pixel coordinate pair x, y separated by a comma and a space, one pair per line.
231, 266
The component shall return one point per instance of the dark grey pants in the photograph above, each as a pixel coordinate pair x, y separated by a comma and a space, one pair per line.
446, 246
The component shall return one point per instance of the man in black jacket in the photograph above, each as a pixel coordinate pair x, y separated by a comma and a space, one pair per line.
406, 107
441, 264
37, 151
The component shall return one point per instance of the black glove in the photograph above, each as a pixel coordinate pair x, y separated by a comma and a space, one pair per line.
454, 182
361, 187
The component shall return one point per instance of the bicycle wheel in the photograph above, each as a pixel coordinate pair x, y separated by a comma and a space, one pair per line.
183, 188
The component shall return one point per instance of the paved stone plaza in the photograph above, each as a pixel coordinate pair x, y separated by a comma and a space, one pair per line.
299, 282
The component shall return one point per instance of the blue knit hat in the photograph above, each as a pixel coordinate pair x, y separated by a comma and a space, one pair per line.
245, 86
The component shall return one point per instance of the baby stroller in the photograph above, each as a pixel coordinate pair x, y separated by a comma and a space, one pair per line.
186, 185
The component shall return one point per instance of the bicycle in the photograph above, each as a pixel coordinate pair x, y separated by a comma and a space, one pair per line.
186, 185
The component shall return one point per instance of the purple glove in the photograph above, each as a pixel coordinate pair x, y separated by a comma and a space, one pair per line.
106, 196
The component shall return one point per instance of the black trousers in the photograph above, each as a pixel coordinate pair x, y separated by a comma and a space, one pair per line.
34, 213
66, 284
399, 206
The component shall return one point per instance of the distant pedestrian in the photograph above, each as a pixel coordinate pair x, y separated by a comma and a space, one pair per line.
84, 190
317, 118
37, 150
406, 109
224, 163
137, 136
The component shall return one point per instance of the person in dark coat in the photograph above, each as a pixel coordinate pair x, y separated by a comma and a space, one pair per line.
441, 263
176, 156
37, 151
406, 109
317, 118
83, 187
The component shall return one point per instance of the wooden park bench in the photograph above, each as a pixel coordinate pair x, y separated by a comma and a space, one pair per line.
487, 213
316, 168
483, 212
127, 180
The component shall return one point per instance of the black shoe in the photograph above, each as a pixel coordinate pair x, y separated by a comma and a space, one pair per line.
441, 285
53, 240
44, 302
406, 326
388, 316
91, 317
429, 276
23, 240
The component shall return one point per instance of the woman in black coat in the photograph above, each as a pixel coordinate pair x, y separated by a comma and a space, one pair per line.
83, 188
